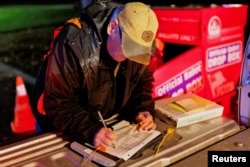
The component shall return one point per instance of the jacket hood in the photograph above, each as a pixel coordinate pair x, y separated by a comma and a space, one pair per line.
98, 14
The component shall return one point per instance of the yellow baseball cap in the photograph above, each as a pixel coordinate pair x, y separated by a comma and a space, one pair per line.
139, 25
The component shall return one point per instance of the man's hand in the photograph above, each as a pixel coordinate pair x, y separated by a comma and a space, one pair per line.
145, 120
104, 137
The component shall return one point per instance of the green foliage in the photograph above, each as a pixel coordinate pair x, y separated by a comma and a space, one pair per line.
26, 32
26, 16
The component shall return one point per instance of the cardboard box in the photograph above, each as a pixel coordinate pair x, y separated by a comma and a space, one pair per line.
211, 67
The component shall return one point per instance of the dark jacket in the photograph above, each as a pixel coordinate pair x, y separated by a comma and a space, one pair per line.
80, 80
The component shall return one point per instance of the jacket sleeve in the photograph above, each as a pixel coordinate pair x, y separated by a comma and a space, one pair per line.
63, 94
141, 98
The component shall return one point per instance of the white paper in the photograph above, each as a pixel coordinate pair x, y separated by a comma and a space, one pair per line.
129, 140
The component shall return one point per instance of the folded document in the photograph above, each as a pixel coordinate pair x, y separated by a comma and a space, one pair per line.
128, 142
187, 109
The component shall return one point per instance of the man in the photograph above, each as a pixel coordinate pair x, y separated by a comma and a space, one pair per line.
99, 63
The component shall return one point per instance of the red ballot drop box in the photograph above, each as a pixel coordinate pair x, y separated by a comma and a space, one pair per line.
213, 42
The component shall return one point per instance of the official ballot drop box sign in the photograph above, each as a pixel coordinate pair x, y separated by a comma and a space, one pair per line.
211, 67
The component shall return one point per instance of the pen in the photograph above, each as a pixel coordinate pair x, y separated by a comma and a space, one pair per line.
105, 126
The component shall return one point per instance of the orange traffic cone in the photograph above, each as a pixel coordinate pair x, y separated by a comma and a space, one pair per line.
24, 121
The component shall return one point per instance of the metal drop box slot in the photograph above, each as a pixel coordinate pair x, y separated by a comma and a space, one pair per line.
52, 149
